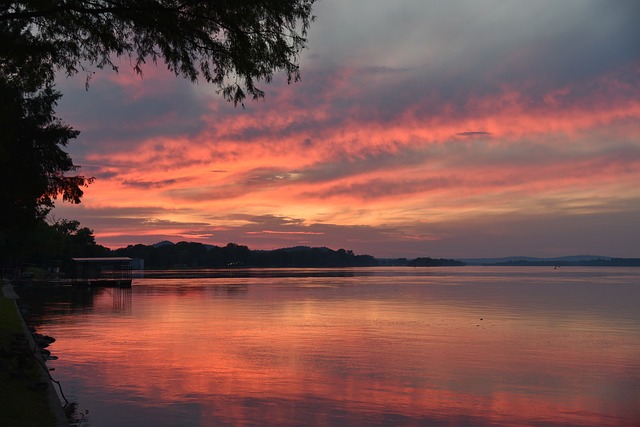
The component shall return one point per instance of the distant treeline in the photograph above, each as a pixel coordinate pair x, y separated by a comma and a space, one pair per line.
433, 262
52, 245
198, 255
609, 262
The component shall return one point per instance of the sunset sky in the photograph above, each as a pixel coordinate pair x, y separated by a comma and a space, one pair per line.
419, 128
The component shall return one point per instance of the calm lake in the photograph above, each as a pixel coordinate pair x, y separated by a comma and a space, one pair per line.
454, 346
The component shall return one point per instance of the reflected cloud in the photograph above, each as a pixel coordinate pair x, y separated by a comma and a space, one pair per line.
358, 348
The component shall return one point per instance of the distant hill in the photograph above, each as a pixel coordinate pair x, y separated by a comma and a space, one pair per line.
574, 260
163, 243
571, 258
166, 254
434, 262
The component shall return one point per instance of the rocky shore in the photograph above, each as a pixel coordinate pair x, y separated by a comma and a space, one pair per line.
23, 371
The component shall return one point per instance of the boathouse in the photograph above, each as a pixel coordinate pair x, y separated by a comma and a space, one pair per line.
102, 271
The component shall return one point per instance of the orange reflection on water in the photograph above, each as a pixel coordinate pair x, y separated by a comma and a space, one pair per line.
292, 358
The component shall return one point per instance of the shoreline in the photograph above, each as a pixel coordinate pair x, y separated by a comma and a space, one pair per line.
53, 399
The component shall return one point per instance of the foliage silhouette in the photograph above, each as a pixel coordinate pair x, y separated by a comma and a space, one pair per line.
33, 165
232, 45
49, 246
198, 255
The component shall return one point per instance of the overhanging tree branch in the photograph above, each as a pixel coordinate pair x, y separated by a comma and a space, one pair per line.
232, 44
251, 39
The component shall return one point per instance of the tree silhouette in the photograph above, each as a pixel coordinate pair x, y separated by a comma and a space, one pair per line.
231, 44
33, 165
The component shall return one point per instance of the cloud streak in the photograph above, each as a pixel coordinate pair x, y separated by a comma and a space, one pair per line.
412, 125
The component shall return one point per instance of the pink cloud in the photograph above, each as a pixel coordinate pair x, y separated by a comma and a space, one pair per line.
370, 147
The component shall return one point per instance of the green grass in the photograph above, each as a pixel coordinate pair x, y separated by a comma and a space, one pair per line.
9, 320
20, 406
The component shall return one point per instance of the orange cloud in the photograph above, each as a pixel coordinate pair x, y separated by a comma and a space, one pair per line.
335, 153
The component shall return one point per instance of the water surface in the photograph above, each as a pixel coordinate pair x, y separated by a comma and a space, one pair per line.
354, 347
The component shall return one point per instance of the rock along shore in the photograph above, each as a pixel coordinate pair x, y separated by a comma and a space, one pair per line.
52, 397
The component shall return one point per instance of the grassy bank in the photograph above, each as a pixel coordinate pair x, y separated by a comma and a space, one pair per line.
23, 402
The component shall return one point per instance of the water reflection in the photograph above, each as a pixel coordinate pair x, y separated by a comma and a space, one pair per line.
121, 299
46, 300
389, 347
253, 273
